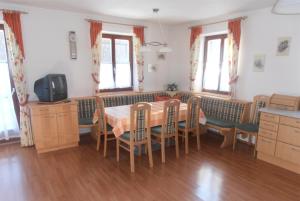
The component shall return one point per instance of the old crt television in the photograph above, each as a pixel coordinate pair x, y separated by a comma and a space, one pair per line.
51, 88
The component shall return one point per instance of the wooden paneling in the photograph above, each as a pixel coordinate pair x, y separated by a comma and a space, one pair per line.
269, 117
268, 126
266, 145
267, 133
290, 121
288, 152
55, 126
289, 135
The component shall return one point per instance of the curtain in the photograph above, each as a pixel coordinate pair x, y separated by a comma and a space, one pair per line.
234, 37
138, 41
15, 49
96, 37
194, 54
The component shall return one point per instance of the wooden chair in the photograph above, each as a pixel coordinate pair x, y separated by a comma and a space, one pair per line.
103, 128
169, 127
140, 133
191, 125
250, 129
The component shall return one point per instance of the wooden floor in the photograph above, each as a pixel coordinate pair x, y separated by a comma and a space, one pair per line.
83, 174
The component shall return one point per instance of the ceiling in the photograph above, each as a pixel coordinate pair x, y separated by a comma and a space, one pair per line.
171, 11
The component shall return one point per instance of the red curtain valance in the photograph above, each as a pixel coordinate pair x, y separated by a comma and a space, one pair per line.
95, 29
139, 33
195, 32
234, 27
13, 20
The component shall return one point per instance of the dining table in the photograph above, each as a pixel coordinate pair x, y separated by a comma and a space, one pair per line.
118, 117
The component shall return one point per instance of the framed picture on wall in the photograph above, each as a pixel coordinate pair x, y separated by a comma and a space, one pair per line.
259, 63
73, 47
283, 46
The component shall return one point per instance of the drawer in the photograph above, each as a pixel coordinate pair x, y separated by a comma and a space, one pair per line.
266, 125
267, 133
288, 152
288, 134
67, 108
269, 117
43, 110
266, 145
290, 121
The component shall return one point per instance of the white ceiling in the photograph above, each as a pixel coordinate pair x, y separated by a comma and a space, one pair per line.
171, 11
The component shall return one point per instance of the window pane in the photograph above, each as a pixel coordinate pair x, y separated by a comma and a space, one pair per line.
212, 68
224, 85
106, 69
123, 70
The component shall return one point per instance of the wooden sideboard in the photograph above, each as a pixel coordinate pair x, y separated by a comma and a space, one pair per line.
279, 138
54, 126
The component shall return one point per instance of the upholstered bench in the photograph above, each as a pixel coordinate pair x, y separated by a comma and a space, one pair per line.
223, 115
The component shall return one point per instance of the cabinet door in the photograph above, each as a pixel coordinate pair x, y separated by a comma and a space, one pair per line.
67, 124
45, 131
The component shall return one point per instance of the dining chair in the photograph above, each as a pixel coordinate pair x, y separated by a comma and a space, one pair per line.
169, 127
250, 129
139, 134
191, 125
103, 127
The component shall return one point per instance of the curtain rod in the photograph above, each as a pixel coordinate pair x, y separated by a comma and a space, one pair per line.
242, 18
108, 22
14, 11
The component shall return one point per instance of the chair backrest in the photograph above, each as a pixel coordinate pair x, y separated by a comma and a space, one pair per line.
259, 101
193, 110
170, 117
101, 114
140, 117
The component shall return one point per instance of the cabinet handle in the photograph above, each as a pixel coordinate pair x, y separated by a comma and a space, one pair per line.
42, 110
296, 131
266, 141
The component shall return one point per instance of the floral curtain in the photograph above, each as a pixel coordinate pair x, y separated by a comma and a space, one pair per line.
96, 36
234, 36
15, 48
138, 41
194, 54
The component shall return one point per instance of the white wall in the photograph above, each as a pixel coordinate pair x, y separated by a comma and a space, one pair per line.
260, 34
45, 35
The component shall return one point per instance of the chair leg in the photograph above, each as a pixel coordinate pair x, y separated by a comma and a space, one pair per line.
177, 145
105, 145
150, 153
198, 138
132, 158
98, 141
254, 154
186, 140
118, 148
234, 139
163, 154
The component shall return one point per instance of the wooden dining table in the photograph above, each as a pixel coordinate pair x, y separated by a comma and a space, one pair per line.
118, 117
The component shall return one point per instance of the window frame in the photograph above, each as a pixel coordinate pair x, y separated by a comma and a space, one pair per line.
113, 37
223, 37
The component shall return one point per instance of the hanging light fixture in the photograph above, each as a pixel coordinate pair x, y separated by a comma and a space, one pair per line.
163, 45
286, 7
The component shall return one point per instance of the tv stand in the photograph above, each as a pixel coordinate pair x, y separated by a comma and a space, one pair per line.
54, 126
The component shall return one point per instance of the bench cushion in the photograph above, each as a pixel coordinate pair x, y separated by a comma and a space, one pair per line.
156, 129
248, 127
85, 121
181, 124
220, 123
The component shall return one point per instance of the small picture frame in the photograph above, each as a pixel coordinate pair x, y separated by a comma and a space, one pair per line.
283, 46
259, 63
73, 46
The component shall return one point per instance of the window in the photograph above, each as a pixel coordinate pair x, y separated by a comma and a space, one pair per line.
215, 71
9, 127
116, 63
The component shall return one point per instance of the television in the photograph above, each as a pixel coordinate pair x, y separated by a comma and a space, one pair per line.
51, 88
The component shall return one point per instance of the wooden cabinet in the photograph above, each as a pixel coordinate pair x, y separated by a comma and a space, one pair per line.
279, 138
54, 126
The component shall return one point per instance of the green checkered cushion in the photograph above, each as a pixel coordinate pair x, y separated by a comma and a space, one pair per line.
220, 123
248, 127
86, 110
222, 109
181, 124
